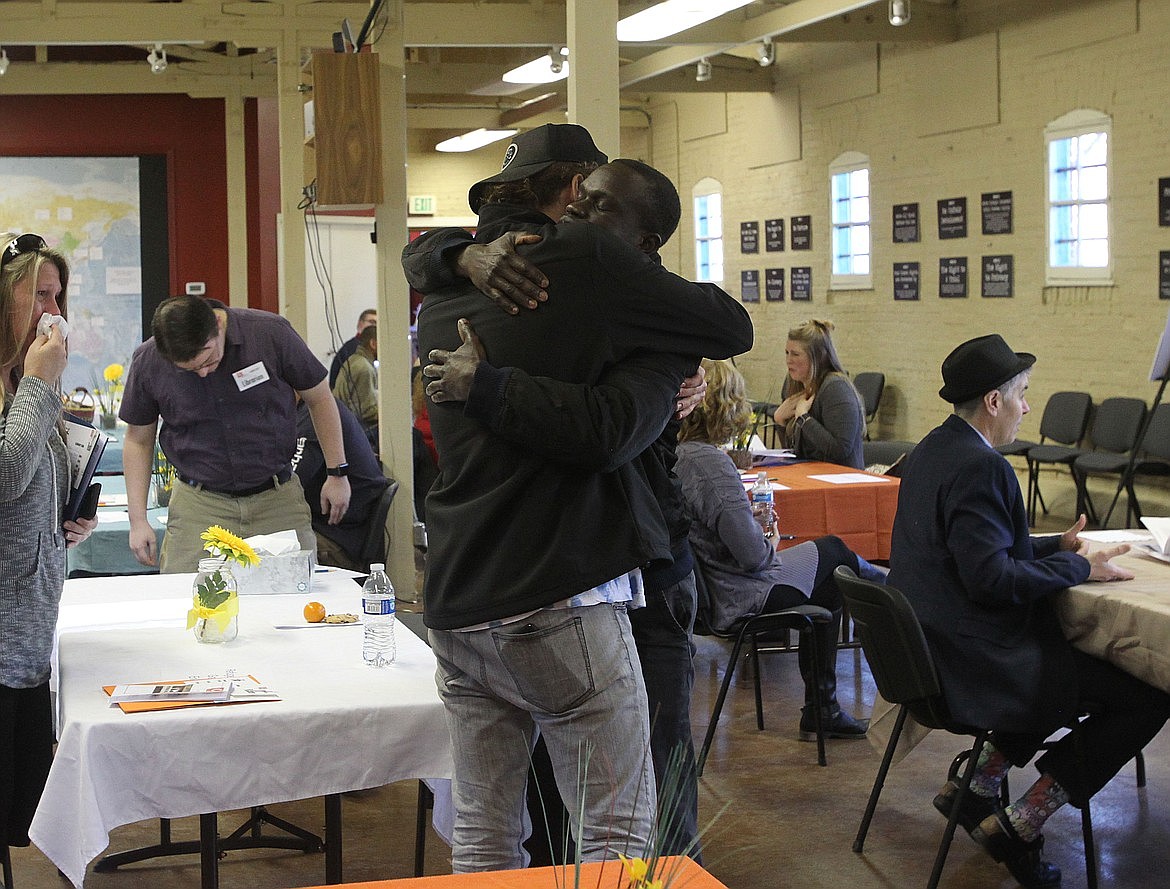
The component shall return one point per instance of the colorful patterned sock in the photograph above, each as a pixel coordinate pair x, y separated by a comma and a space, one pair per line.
1028, 814
990, 769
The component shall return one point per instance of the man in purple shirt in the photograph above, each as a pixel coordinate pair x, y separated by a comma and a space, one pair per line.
223, 382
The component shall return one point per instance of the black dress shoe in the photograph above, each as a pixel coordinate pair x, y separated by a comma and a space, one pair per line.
975, 807
840, 726
1023, 859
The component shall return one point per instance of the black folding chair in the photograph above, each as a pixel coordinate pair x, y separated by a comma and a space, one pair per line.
749, 629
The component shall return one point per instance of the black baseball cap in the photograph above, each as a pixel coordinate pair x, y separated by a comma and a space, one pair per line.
531, 152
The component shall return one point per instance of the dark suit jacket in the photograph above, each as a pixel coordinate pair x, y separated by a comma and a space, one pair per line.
982, 587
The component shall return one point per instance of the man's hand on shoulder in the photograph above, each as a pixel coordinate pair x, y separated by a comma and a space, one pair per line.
503, 275
452, 373
1101, 569
690, 395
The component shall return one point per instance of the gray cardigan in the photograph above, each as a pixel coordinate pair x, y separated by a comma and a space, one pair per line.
835, 425
34, 485
739, 564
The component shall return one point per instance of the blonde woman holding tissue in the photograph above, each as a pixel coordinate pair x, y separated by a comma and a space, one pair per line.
34, 486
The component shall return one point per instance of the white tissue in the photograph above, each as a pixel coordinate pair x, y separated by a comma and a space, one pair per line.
275, 544
48, 322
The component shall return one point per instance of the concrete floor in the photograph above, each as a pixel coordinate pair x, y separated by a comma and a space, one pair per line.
782, 820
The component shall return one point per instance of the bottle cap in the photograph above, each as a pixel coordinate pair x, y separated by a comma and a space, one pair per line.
377, 566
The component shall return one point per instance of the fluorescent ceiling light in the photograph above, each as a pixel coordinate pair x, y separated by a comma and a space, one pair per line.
549, 68
473, 140
672, 16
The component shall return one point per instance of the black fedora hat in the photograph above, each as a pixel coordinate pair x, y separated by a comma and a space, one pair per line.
980, 365
537, 149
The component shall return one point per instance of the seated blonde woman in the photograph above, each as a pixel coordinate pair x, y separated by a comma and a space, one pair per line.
744, 573
822, 417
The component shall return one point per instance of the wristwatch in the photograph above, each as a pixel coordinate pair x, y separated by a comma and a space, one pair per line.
341, 470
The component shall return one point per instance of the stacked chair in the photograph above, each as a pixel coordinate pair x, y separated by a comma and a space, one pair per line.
1117, 430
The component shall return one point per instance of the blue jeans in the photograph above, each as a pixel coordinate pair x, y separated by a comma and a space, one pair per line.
574, 676
662, 632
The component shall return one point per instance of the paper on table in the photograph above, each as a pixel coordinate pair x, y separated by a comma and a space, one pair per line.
1160, 527
1121, 535
113, 500
108, 517
776, 486
850, 478
201, 690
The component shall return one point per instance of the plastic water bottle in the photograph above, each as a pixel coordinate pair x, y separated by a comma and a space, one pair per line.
378, 646
763, 504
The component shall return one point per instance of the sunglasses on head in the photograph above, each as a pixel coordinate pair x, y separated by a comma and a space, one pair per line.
23, 244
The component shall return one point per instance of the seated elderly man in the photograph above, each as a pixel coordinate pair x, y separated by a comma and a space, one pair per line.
983, 590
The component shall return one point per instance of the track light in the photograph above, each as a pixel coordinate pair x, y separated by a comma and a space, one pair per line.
703, 70
899, 12
157, 59
3, 61
556, 58
766, 53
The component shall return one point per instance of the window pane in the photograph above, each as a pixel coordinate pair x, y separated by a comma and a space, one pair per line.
1094, 182
859, 183
839, 185
861, 240
1094, 254
1092, 149
860, 210
861, 265
1060, 186
1093, 222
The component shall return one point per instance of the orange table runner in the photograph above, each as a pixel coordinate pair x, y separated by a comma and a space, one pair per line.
862, 515
607, 874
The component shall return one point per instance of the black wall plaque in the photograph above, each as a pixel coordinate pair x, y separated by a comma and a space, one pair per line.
774, 285
1164, 274
952, 218
1164, 201
749, 285
801, 232
906, 229
907, 278
952, 277
800, 283
997, 276
997, 212
773, 235
749, 237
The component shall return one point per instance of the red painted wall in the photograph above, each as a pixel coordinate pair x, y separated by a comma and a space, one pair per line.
190, 132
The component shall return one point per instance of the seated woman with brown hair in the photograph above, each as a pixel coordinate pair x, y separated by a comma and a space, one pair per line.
744, 573
822, 415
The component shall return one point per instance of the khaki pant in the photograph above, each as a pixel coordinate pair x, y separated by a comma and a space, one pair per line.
193, 511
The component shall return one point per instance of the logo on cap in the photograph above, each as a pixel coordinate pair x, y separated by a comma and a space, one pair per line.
509, 155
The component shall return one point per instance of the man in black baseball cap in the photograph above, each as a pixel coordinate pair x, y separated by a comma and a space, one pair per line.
984, 591
534, 152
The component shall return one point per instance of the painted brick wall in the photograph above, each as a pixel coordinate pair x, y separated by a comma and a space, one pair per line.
946, 122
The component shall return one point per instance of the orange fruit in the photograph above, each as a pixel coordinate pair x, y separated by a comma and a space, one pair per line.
314, 612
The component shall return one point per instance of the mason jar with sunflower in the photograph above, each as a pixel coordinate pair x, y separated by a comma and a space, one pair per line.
215, 603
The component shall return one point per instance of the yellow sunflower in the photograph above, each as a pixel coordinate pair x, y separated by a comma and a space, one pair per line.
222, 542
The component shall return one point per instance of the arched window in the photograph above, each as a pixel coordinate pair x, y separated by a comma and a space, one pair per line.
708, 202
849, 215
1078, 199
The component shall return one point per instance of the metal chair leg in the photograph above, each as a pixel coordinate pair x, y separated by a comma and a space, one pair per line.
724, 686
880, 780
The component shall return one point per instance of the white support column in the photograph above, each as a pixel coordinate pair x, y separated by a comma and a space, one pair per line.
292, 181
594, 100
237, 208
394, 355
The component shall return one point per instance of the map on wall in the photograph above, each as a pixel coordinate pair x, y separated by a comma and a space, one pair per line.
88, 208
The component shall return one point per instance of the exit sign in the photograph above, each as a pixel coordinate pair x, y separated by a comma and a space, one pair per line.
422, 205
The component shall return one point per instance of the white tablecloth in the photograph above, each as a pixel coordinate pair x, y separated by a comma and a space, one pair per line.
339, 726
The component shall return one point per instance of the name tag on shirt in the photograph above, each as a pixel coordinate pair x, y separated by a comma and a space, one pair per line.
250, 376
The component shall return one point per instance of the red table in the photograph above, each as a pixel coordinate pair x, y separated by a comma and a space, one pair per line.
862, 515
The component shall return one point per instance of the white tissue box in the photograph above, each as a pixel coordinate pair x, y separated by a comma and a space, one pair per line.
286, 573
